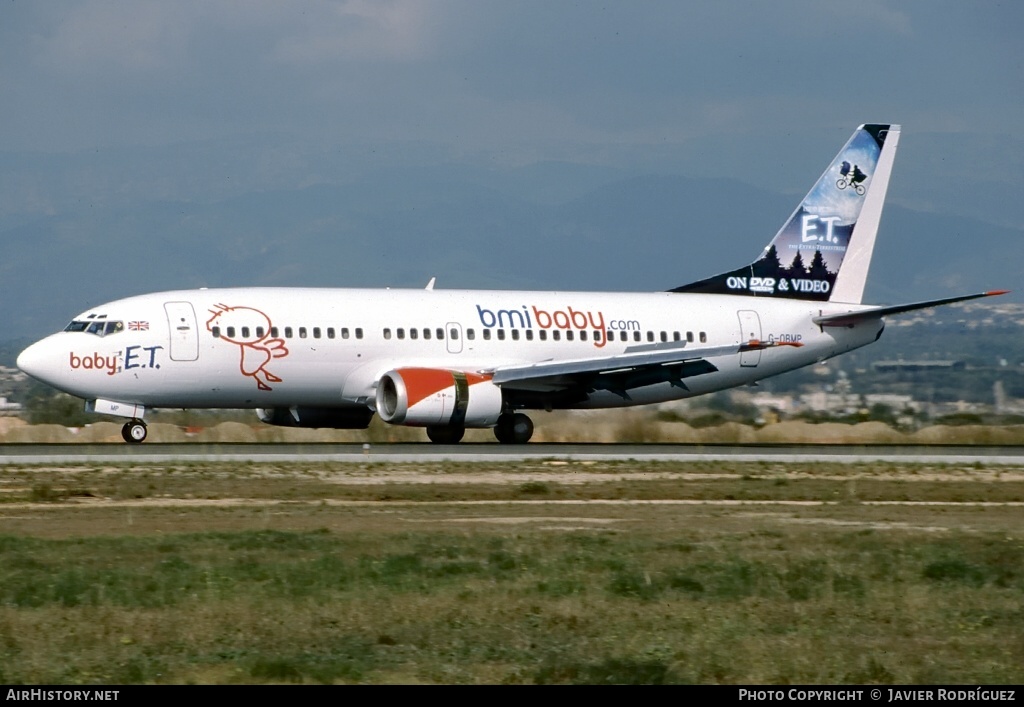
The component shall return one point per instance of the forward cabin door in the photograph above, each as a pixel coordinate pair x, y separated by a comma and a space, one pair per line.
750, 328
181, 321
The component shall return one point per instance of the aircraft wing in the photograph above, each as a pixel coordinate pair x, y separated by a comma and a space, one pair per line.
638, 365
851, 318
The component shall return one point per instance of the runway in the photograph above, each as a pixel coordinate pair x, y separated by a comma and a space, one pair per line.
28, 454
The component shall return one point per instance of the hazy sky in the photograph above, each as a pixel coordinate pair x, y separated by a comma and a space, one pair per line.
138, 133
506, 80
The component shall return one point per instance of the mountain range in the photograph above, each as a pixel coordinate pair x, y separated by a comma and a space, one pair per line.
549, 226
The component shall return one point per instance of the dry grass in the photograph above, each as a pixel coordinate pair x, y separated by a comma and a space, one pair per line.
510, 573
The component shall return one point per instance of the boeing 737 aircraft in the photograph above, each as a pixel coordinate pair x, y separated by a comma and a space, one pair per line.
448, 360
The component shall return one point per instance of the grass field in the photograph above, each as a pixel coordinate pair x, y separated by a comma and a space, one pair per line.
545, 572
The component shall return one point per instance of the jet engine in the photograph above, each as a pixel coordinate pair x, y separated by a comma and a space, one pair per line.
347, 418
430, 397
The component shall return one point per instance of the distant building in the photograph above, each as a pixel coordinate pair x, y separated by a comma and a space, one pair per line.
921, 365
11, 374
825, 401
8, 408
896, 402
768, 401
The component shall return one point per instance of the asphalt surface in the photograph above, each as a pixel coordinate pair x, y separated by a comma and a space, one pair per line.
426, 453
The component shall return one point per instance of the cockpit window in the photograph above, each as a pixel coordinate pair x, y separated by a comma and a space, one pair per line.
99, 328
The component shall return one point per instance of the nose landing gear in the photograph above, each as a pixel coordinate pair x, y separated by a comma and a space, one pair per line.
134, 431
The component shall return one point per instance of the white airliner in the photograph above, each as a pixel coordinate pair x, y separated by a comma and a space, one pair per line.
451, 359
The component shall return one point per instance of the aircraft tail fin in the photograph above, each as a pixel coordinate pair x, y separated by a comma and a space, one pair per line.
823, 251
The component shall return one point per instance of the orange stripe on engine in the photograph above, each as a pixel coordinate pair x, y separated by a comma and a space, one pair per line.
421, 383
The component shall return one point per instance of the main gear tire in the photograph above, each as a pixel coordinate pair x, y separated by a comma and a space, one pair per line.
445, 434
134, 431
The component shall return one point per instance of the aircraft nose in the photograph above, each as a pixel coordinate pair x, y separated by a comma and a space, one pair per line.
38, 361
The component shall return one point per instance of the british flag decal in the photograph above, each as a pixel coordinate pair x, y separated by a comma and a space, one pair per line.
138, 326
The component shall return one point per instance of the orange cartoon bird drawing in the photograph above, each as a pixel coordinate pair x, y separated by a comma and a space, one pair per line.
250, 330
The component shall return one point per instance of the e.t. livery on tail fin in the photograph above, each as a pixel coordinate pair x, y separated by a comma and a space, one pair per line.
823, 251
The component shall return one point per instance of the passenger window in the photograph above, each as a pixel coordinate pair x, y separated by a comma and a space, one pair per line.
440, 333
636, 336
515, 335
529, 334
543, 334
470, 333
676, 336
274, 332
568, 336
426, 333
359, 332
245, 332
689, 336
664, 336
344, 332
231, 332
215, 331
260, 331
302, 332
414, 333
597, 335
583, 335
556, 335
501, 334
316, 332
487, 334
287, 332
623, 336
401, 333
650, 336
703, 337
387, 333
330, 332
454, 333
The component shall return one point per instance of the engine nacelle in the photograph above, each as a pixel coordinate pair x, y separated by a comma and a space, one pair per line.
348, 418
426, 397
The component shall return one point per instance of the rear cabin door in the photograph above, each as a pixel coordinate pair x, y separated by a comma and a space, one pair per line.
750, 328
181, 321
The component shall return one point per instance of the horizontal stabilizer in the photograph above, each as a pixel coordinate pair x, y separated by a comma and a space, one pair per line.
851, 318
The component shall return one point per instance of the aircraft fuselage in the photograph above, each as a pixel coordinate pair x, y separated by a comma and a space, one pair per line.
279, 347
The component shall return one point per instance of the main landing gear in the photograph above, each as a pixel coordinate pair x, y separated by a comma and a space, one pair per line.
445, 434
134, 431
513, 428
